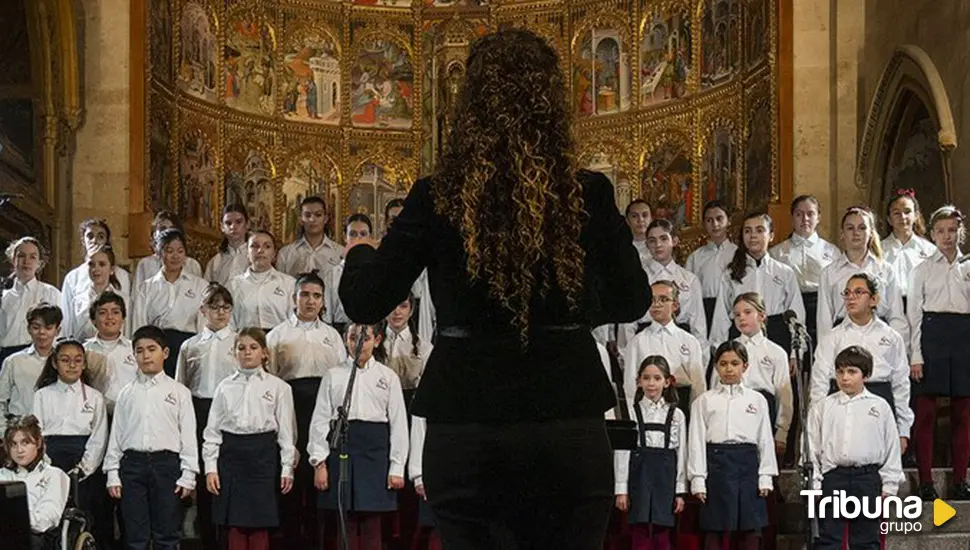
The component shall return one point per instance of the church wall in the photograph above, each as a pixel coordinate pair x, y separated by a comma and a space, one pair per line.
100, 172
939, 29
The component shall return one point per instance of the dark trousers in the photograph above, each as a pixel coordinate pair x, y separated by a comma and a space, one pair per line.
863, 533
207, 529
150, 509
540, 484
298, 508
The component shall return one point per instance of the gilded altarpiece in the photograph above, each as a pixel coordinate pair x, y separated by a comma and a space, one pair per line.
266, 102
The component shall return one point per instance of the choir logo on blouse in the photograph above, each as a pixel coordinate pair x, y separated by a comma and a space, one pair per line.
827, 256
279, 292
190, 293
767, 362
752, 409
684, 287
130, 360
778, 280
684, 350
170, 399
382, 383
885, 341
42, 483
268, 396
873, 412
87, 408
924, 254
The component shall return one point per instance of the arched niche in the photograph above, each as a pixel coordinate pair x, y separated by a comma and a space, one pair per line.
909, 133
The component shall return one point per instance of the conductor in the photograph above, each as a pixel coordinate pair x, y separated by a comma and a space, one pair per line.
525, 254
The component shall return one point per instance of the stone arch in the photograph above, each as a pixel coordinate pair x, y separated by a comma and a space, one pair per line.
909, 133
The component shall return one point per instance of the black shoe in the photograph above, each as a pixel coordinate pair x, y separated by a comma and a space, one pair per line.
960, 491
926, 491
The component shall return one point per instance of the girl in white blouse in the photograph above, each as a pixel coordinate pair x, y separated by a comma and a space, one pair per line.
77, 307
150, 265
232, 258
170, 298
75, 423
47, 485
262, 296
709, 261
27, 257
407, 352
95, 234
249, 448
905, 247
752, 269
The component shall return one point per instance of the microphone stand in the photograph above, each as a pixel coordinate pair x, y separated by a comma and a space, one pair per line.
799, 340
337, 439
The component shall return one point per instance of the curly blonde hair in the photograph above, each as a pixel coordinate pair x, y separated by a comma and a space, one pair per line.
507, 179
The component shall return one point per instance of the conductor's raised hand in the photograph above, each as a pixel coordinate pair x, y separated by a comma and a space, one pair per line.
212, 483
321, 479
395, 483
623, 502
369, 241
701, 497
286, 484
114, 491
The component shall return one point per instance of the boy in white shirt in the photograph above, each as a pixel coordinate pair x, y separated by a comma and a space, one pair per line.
854, 445
117, 367
20, 371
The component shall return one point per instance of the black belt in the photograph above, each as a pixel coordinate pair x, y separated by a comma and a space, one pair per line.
464, 331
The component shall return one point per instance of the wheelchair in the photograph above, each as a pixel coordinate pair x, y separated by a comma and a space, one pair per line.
75, 522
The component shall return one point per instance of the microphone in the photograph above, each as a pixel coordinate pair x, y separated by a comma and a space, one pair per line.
791, 319
799, 336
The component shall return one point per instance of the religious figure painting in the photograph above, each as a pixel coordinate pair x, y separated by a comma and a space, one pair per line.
311, 79
381, 84
758, 39
719, 42
160, 45
307, 176
622, 187
250, 183
249, 67
665, 182
197, 175
665, 57
758, 178
915, 161
719, 168
197, 62
159, 167
601, 77
374, 188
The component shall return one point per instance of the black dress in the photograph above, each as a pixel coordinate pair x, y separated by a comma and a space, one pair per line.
516, 444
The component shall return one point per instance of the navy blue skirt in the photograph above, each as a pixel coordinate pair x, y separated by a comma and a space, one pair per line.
653, 472
945, 351
249, 477
733, 502
368, 452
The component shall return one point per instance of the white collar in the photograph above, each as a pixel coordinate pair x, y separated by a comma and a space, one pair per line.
810, 240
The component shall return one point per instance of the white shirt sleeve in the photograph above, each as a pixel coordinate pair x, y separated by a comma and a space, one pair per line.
815, 442
6, 387
823, 370
697, 455
419, 427
212, 434
139, 313
915, 313
826, 309
112, 457
901, 386
67, 311
696, 369
47, 512
891, 471
781, 381
893, 297
317, 445
189, 454
767, 463
681, 421
286, 432
398, 420
97, 441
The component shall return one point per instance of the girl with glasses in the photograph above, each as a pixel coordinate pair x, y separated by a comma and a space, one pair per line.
890, 370
862, 253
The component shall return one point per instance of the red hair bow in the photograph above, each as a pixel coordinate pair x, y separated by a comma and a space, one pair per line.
906, 193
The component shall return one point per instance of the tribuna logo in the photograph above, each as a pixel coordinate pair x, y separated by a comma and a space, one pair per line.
840, 506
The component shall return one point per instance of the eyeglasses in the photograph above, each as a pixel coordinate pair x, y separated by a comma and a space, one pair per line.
857, 293
662, 299
222, 308
70, 361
